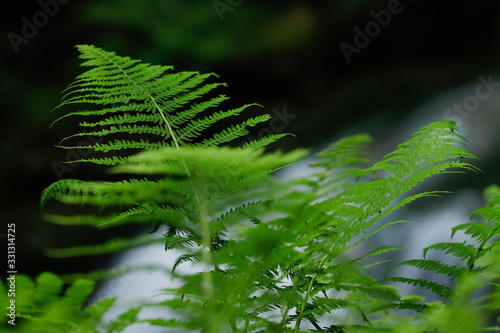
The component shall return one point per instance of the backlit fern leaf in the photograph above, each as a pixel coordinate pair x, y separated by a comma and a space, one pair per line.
132, 97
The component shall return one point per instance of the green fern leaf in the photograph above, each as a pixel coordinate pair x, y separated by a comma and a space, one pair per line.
188, 257
380, 250
113, 245
459, 250
479, 231
436, 288
432, 266
138, 98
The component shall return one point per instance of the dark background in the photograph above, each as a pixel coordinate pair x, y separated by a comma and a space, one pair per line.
281, 54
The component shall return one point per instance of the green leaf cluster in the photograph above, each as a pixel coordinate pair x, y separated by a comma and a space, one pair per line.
269, 255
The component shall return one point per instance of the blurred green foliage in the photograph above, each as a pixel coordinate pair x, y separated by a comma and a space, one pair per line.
176, 30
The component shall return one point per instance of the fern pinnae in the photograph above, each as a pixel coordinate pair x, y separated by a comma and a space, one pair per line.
124, 119
187, 257
436, 288
194, 128
113, 245
264, 141
476, 230
375, 232
460, 250
432, 266
233, 132
197, 108
380, 250
130, 129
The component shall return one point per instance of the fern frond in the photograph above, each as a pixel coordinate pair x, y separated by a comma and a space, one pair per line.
264, 141
459, 250
194, 128
120, 145
65, 186
432, 266
375, 232
380, 250
479, 231
103, 194
427, 153
105, 274
365, 267
187, 257
490, 214
233, 132
48, 288
349, 150
113, 245
438, 289
420, 308
138, 98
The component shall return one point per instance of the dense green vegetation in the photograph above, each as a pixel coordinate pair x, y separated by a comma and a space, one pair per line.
270, 255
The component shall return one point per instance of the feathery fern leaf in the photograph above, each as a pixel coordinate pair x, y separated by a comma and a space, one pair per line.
438, 289
137, 98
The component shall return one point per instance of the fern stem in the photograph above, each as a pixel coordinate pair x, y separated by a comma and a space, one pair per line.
152, 99
287, 305
176, 143
164, 119
234, 328
479, 249
308, 292
306, 298
206, 240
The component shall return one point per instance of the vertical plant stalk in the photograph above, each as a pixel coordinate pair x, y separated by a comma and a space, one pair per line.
160, 111
472, 259
206, 239
308, 292
286, 309
207, 257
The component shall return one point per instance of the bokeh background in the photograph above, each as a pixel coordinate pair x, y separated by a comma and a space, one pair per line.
284, 55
